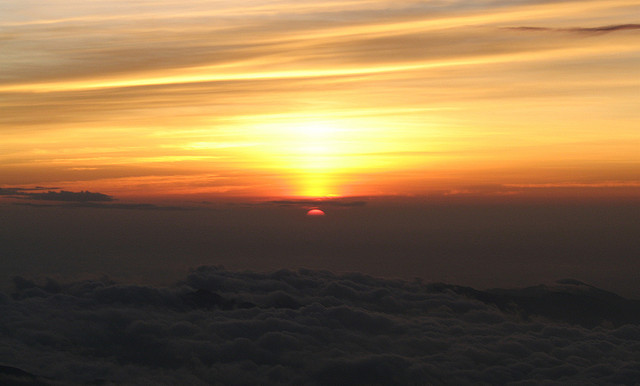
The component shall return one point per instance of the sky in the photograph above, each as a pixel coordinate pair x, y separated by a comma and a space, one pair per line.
204, 100
485, 143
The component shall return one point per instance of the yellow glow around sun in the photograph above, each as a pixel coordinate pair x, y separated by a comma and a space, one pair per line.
325, 153
316, 185
318, 153
316, 150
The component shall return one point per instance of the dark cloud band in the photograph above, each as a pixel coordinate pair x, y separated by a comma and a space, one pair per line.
602, 29
50, 195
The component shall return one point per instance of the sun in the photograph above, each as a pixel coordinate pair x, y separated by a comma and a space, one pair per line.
315, 213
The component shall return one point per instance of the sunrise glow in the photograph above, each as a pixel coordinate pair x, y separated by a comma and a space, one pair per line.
326, 99
328, 192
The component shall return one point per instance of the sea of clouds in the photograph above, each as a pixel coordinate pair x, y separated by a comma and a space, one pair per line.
307, 327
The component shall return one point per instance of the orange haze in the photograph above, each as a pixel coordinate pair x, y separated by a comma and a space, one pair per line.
322, 99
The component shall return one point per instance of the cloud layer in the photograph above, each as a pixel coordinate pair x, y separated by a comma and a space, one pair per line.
310, 327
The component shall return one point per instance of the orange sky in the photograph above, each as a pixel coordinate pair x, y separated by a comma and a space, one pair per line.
321, 98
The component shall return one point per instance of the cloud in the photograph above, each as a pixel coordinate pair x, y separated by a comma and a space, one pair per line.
15, 191
624, 190
50, 195
341, 202
63, 195
130, 206
10, 191
311, 327
82, 199
602, 29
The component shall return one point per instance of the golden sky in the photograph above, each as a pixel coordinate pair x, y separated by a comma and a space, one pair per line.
320, 98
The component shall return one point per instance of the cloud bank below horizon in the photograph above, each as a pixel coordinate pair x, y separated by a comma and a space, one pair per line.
314, 327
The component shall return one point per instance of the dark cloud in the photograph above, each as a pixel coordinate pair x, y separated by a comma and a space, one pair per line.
63, 195
136, 206
609, 28
573, 191
310, 327
96, 205
16, 191
82, 199
602, 29
50, 195
344, 202
9, 191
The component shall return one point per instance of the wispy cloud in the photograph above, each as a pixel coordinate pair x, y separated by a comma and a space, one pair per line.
602, 29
